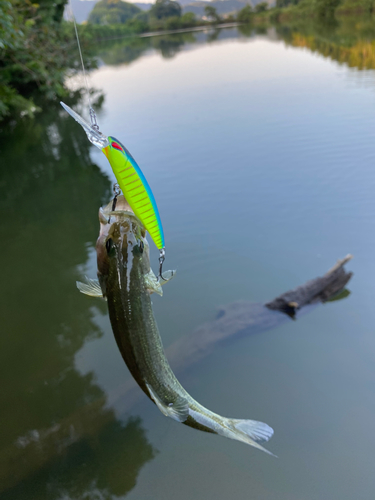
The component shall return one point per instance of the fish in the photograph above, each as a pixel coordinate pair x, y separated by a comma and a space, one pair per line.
125, 280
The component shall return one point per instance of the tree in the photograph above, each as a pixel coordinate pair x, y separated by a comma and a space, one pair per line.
34, 53
211, 13
113, 12
326, 8
284, 3
245, 15
261, 7
165, 8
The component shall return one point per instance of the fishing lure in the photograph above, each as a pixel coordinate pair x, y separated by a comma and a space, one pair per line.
130, 179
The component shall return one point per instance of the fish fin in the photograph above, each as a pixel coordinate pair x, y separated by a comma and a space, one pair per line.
179, 410
91, 287
252, 433
152, 284
167, 276
258, 431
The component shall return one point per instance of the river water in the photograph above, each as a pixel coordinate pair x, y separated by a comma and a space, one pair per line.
259, 148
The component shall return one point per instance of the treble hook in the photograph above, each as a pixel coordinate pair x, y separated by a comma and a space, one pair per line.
116, 192
161, 261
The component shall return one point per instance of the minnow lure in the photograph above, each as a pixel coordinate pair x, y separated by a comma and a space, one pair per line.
130, 179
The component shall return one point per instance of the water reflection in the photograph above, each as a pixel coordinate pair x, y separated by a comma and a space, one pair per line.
53, 418
127, 50
348, 41
91, 455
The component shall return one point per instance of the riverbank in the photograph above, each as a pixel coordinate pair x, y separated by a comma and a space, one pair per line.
37, 53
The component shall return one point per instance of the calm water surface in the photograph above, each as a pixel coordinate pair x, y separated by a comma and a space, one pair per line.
261, 156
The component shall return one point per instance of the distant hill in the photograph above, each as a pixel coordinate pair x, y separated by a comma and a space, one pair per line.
82, 9
144, 6
222, 6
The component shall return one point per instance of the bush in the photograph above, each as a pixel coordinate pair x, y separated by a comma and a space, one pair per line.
245, 15
165, 8
113, 12
34, 54
326, 8
261, 7
188, 20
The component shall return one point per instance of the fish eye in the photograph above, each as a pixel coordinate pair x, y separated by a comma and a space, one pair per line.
109, 245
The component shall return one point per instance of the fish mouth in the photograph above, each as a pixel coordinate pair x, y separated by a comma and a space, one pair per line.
121, 223
118, 211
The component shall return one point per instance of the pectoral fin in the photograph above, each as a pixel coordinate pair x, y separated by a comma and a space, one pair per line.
178, 410
152, 284
91, 287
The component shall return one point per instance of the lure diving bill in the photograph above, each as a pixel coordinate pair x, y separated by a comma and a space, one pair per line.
129, 177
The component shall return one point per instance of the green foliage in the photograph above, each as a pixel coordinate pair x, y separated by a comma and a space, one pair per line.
261, 7
34, 53
172, 23
211, 13
113, 12
188, 20
284, 3
355, 7
325, 8
163, 9
245, 15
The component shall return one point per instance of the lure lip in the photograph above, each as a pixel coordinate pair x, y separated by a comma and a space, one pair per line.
94, 136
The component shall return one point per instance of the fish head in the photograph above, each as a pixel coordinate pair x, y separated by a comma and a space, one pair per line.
122, 242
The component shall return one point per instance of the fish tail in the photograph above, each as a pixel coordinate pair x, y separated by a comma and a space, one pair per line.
248, 431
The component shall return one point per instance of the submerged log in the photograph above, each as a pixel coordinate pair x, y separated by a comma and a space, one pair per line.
244, 318
317, 290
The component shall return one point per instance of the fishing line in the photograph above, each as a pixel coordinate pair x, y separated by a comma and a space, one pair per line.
92, 112
95, 126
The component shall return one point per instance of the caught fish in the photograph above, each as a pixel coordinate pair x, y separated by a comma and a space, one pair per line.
126, 280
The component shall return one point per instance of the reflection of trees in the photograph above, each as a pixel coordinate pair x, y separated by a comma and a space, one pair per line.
101, 459
49, 197
127, 50
213, 36
345, 42
246, 29
130, 49
170, 45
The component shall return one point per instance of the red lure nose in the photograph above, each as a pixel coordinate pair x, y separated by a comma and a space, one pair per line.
117, 146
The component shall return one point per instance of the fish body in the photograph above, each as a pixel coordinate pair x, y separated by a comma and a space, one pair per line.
123, 265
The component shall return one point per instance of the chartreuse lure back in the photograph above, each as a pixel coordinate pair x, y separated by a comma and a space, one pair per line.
129, 177
135, 188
